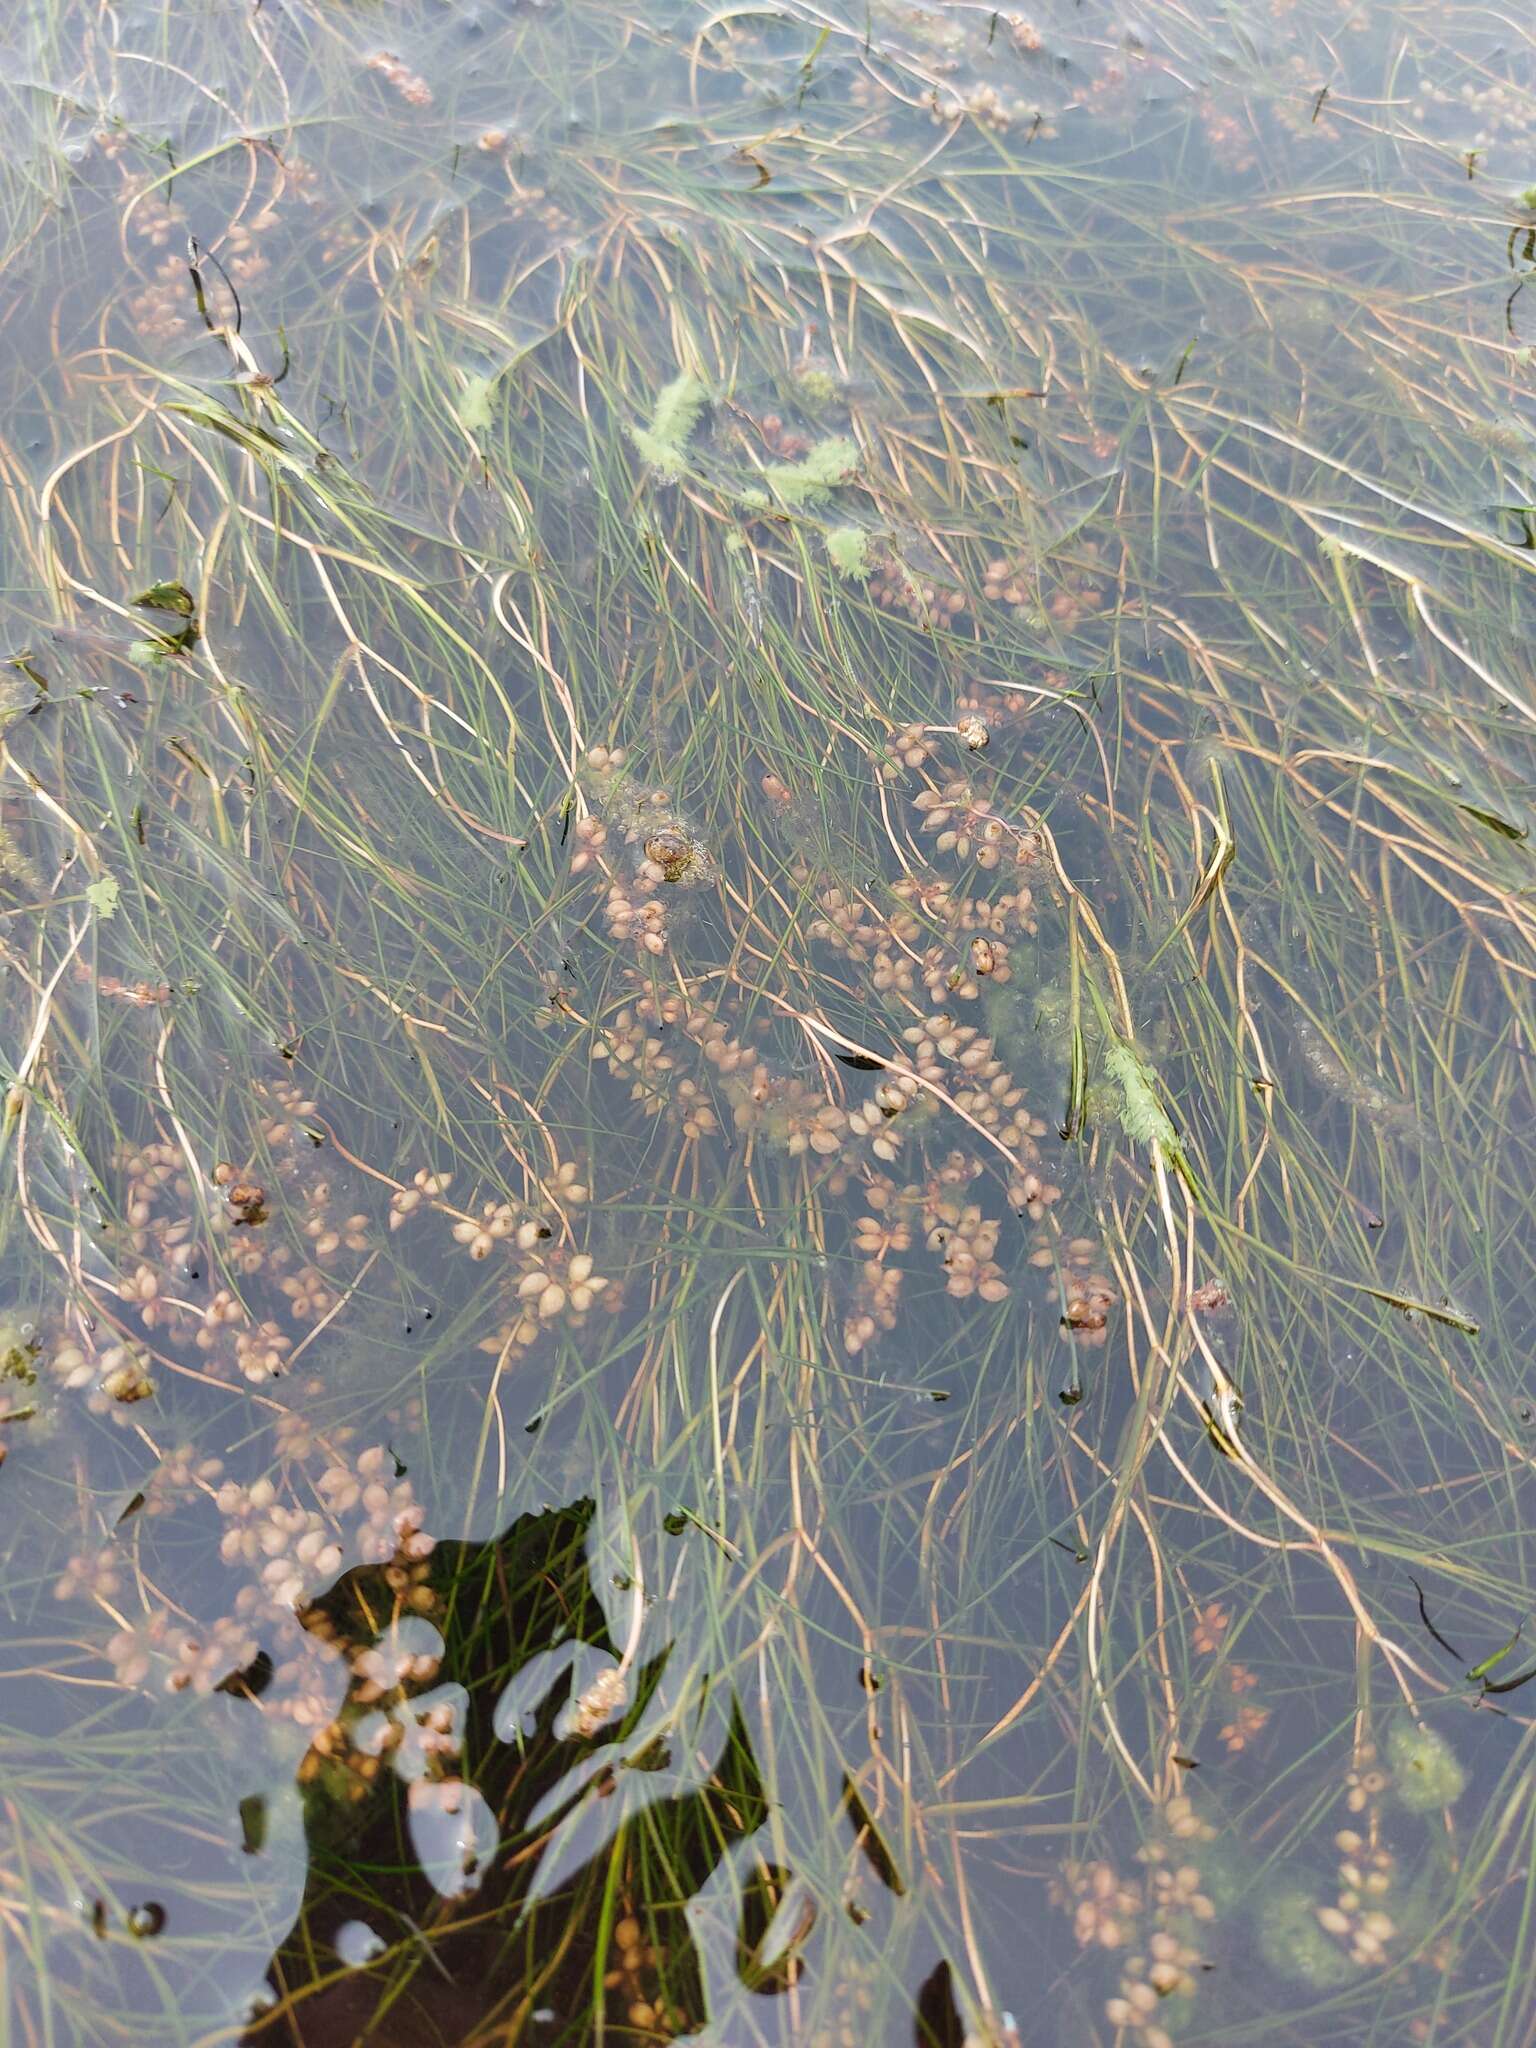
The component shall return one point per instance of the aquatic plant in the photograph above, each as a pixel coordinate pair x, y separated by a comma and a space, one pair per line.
596, 1074
664, 442
848, 551
825, 467
1426, 1772
1142, 1114
1293, 1942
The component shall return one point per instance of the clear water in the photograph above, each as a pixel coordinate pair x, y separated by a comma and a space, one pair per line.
766, 897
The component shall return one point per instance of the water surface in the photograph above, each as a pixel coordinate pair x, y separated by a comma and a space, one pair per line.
765, 875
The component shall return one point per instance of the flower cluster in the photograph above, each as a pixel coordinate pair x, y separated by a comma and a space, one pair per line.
292, 1549
544, 1279
425, 1187
563, 1281
1366, 1781
244, 257
965, 1061
985, 105
288, 1551
647, 1044
1181, 1824
556, 1284
90, 1575
1475, 114
604, 1696
163, 307
784, 441
951, 1227
1211, 1623
684, 1055
874, 1305
205, 1660
1174, 1890
497, 1221
1248, 1723
632, 911
1078, 594
391, 1524
964, 1239
409, 1653
1229, 137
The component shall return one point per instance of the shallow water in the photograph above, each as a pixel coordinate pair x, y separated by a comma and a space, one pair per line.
764, 869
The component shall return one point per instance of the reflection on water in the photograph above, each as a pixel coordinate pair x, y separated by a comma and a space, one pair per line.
765, 884
541, 1853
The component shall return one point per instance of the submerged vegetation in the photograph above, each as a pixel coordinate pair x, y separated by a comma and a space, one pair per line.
769, 926
664, 443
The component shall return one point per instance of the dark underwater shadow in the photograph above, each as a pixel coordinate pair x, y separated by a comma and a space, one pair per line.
483, 1948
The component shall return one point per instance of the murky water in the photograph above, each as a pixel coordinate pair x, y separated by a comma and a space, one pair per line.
768, 943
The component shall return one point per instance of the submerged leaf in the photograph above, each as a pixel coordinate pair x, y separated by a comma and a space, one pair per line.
102, 895
1443, 1313
161, 646
167, 597
474, 404
1506, 827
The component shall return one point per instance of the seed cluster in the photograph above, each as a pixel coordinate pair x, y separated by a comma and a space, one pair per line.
636, 838
1356, 1919
1152, 1924
894, 588
923, 945
633, 1978
162, 306
1087, 1295
543, 1279
399, 76
899, 948
209, 1268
